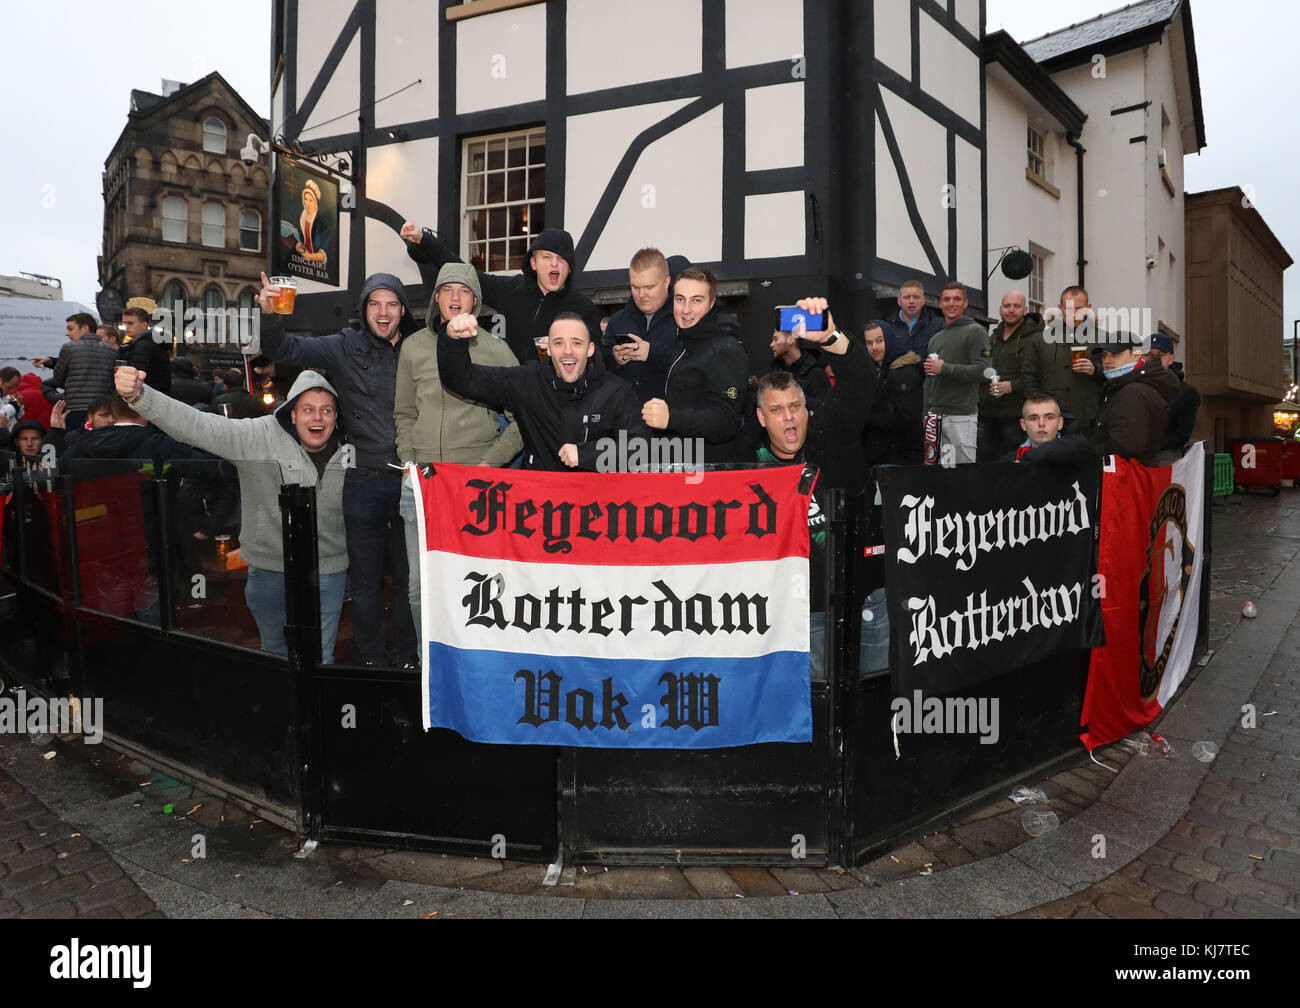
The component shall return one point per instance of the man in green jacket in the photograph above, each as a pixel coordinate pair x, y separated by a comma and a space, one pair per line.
1000, 401
434, 425
1051, 367
959, 356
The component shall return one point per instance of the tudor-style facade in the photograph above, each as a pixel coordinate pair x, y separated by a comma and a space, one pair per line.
184, 218
794, 146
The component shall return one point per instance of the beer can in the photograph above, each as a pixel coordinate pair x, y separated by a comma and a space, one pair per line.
933, 426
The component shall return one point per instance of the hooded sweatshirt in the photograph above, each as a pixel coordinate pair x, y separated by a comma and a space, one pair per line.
528, 312
434, 425
362, 366
964, 349
268, 455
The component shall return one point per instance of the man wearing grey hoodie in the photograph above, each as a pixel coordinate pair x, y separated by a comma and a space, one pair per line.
362, 362
300, 443
436, 425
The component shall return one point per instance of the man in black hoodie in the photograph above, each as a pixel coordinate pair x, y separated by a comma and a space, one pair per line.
704, 391
641, 338
362, 365
529, 302
565, 408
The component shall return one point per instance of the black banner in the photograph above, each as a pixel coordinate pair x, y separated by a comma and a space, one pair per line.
988, 568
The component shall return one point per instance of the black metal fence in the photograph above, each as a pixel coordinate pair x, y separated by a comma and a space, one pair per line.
103, 593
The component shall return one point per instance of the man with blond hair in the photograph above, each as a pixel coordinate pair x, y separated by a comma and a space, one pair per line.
641, 338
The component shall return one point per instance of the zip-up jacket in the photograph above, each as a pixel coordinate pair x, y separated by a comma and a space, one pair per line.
528, 311
1135, 412
267, 454
84, 371
646, 376
362, 366
550, 411
894, 431
1007, 358
435, 425
705, 386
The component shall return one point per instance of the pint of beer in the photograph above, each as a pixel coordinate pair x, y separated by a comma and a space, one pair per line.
288, 291
1078, 353
543, 349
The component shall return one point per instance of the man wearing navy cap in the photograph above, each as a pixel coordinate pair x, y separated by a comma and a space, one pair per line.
1134, 410
1182, 411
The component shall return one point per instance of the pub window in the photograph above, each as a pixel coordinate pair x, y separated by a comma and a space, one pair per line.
214, 136
250, 230
1037, 276
1037, 142
174, 228
505, 198
214, 224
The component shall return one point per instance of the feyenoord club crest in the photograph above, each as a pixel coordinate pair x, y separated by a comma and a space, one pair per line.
1163, 586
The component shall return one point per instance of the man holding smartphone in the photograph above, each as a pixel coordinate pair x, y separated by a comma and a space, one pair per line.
641, 338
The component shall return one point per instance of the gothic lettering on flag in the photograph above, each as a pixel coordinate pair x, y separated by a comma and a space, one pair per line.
638, 611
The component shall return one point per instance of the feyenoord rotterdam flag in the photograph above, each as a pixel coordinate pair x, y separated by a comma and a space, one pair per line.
633, 611
1152, 549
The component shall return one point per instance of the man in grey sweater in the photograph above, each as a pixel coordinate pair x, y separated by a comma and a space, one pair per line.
959, 356
300, 443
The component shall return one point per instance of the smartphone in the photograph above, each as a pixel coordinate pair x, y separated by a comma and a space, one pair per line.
625, 338
788, 318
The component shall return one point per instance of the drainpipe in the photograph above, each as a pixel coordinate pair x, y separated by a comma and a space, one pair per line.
1079, 151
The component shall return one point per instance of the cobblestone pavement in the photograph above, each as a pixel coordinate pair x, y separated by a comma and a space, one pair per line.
1234, 847
48, 869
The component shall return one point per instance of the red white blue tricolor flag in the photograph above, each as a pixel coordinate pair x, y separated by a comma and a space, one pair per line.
1152, 554
658, 611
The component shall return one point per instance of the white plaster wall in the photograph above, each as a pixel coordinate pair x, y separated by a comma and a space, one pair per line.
1164, 212
949, 71
596, 144
970, 241
895, 237
764, 32
406, 50
774, 224
1116, 180
1021, 212
340, 95
687, 216
621, 43
893, 28
399, 175
923, 145
968, 16
501, 58
774, 126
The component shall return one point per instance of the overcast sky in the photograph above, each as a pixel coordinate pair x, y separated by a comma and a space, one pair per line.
70, 67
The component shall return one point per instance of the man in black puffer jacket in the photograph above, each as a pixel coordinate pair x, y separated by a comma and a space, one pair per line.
704, 392
531, 301
564, 408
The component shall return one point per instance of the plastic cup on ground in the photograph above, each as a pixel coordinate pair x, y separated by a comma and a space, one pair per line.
1037, 823
1205, 751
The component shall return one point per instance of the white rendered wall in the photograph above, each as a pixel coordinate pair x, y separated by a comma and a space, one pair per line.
406, 48
638, 42
763, 32
501, 58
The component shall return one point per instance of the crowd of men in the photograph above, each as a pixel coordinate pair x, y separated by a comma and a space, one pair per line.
549, 382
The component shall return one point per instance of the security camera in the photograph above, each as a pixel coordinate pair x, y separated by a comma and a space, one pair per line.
253, 149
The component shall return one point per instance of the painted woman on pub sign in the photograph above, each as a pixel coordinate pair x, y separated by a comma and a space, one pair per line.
308, 206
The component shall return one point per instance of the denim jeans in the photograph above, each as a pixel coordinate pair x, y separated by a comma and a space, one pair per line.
407, 509
377, 546
264, 596
873, 650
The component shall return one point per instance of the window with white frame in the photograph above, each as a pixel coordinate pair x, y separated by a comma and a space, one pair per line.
1037, 143
174, 227
214, 225
1037, 276
505, 198
214, 135
250, 230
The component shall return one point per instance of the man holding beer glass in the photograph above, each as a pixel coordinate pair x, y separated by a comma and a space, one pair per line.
362, 363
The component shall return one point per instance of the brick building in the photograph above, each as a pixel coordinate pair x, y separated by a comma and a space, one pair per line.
184, 218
